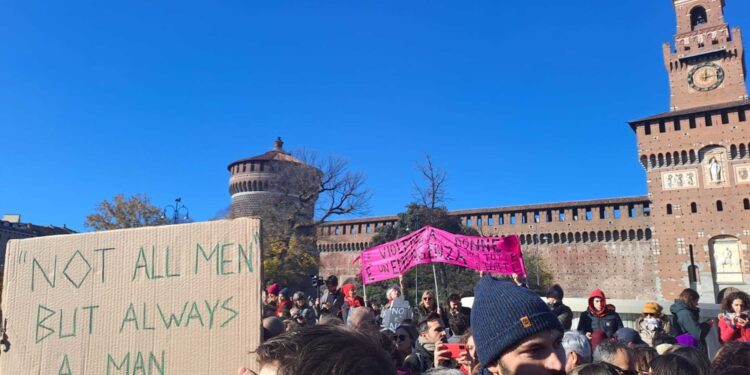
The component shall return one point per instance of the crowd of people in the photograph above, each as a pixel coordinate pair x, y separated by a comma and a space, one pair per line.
508, 330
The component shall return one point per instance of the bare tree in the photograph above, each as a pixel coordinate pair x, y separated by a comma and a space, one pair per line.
432, 193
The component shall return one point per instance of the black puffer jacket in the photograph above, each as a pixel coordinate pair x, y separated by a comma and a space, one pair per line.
607, 320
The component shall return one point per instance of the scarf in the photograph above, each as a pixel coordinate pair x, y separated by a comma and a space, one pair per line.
428, 346
729, 317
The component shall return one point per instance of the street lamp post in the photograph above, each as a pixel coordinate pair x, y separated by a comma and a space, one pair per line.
176, 208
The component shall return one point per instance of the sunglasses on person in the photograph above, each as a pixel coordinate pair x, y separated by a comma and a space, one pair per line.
400, 337
427, 298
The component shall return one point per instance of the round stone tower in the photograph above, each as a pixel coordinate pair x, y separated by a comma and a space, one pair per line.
274, 182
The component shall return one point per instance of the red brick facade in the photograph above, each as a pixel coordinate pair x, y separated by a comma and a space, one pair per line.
697, 162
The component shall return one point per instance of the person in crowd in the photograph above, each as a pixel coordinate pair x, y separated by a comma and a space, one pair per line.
663, 342
555, 302
290, 325
459, 325
725, 292
284, 308
363, 320
601, 368
351, 299
732, 354
651, 322
391, 294
599, 316
671, 364
642, 357
596, 338
468, 361
272, 327
514, 331
734, 321
323, 350
455, 309
628, 337
427, 305
301, 312
613, 353
431, 332
329, 319
332, 298
271, 301
577, 349
685, 314
405, 338
388, 344
697, 358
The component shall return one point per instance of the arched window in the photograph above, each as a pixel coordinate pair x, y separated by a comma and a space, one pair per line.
746, 203
648, 234
698, 17
694, 207
669, 209
719, 206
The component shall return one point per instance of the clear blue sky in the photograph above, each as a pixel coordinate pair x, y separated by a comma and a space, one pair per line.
520, 101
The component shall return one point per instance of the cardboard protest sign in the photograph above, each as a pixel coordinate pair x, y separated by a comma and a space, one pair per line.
397, 313
168, 300
427, 245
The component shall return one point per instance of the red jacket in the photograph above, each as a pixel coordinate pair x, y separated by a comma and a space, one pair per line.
729, 333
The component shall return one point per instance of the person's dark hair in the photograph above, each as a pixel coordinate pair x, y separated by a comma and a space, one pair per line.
458, 324
673, 364
698, 358
326, 349
332, 280
431, 317
454, 297
663, 338
726, 304
734, 353
642, 357
602, 368
689, 295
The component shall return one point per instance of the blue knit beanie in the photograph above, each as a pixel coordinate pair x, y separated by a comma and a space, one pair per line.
503, 314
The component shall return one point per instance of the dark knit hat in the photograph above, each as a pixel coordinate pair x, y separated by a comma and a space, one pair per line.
503, 314
555, 291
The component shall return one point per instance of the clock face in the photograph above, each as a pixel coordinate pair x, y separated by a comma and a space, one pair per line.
705, 76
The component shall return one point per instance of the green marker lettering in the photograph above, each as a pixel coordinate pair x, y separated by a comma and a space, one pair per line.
138, 264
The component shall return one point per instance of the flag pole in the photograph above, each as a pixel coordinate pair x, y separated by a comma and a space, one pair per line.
437, 294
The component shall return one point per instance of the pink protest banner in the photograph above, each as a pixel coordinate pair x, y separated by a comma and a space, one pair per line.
429, 245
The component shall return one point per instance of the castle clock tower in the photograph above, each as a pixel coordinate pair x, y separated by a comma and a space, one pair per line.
697, 159
706, 64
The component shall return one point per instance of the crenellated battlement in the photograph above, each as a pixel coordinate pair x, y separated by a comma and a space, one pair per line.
605, 220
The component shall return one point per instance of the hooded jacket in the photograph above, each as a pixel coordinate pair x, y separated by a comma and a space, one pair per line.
685, 320
606, 319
